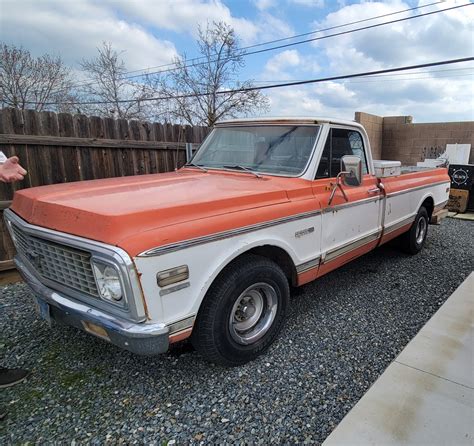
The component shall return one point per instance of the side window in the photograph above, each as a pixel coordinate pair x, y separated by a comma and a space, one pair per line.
340, 142
357, 146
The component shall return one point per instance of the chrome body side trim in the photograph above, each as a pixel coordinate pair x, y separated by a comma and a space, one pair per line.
141, 338
310, 264
440, 205
174, 288
337, 207
184, 324
134, 308
406, 191
394, 226
341, 250
165, 249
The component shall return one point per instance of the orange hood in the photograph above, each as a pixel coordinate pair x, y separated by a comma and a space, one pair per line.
112, 210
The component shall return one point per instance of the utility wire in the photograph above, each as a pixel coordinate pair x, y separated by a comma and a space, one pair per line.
376, 76
279, 85
408, 79
298, 35
192, 64
314, 39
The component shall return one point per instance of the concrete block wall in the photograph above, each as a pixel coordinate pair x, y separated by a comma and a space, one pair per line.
409, 143
373, 124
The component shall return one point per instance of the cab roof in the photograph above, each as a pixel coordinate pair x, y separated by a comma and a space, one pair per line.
289, 120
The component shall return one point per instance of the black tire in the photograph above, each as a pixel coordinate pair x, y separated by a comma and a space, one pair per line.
250, 283
413, 240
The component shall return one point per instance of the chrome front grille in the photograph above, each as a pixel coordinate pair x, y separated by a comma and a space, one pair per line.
65, 265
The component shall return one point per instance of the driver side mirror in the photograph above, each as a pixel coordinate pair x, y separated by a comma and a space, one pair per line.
351, 165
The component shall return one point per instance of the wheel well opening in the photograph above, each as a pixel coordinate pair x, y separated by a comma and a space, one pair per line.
429, 205
280, 257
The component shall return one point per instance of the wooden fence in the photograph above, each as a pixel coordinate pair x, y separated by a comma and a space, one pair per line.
59, 148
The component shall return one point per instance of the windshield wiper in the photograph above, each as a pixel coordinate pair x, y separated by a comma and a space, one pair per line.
196, 165
246, 169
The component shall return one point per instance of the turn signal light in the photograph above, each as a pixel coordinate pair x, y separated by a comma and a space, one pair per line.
172, 275
95, 330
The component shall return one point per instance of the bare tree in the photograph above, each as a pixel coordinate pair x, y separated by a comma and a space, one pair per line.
29, 82
109, 85
194, 89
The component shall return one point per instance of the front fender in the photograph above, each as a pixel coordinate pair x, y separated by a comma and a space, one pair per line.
206, 262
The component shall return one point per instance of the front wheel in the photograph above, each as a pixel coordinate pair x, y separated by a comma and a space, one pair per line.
413, 241
243, 311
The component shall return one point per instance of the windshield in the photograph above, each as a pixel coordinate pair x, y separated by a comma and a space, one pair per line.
277, 149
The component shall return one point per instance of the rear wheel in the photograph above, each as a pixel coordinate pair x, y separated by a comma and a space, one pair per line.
243, 311
412, 242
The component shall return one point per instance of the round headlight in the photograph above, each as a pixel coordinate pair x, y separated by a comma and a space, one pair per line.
108, 281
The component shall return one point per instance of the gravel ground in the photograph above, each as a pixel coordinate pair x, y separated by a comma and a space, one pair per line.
343, 331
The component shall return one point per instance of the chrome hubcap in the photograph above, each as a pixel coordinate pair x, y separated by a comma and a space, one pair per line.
420, 231
253, 313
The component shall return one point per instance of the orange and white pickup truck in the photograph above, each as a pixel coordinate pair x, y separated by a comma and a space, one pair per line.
210, 251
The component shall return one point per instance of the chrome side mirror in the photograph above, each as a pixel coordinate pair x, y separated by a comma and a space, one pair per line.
351, 165
350, 175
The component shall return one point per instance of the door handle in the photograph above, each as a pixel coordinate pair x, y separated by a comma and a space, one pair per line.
375, 190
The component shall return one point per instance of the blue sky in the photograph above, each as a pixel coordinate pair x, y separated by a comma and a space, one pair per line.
152, 32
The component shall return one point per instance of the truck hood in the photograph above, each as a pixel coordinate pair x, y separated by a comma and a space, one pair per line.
111, 210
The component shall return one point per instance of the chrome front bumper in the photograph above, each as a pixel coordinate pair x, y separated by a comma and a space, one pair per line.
141, 338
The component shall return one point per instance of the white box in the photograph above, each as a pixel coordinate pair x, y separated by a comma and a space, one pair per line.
457, 153
384, 169
431, 163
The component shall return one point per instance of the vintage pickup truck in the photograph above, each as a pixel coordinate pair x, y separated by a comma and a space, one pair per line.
210, 251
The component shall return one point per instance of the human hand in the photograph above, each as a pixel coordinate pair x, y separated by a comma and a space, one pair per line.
11, 170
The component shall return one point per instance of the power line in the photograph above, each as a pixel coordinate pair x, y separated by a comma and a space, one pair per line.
301, 35
376, 78
313, 39
380, 75
279, 85
282, 39
409, 79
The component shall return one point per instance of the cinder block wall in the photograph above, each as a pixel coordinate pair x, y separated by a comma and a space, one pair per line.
409, 143
373, 124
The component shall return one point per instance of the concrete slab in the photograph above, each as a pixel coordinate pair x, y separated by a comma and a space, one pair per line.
466, 216
426, 396
444, 346
408, 406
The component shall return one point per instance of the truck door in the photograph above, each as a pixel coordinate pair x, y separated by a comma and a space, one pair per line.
350, 227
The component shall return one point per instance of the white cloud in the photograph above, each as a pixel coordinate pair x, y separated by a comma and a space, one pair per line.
74, 30
436, 97
282, 61
426, 97
262, 5
428, 100
271, 27
429, 38
335, 95
309, 3
188, 15
288, 64
184, 15
294, 101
